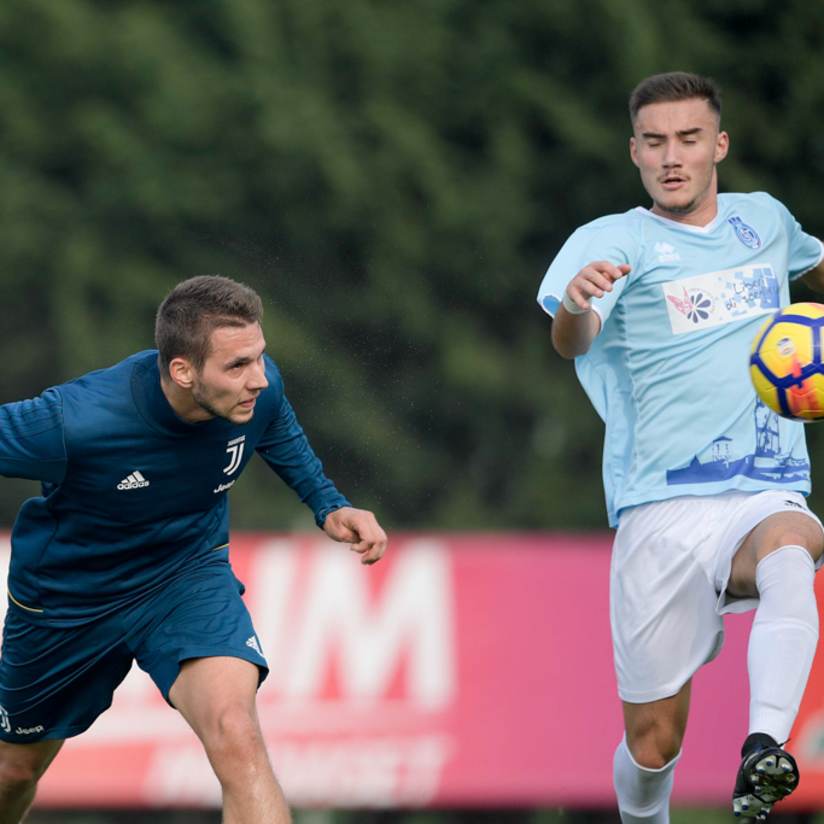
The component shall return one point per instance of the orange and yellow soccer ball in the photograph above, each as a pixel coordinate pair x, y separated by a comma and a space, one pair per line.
785, 362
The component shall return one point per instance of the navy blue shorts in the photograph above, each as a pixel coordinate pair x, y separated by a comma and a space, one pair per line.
54, 681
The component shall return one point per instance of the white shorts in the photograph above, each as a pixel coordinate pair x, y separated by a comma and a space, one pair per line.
671, 561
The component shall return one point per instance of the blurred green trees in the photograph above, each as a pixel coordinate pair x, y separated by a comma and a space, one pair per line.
394, 179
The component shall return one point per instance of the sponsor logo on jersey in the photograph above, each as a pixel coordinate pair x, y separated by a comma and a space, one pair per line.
666, 252
223, 487
695, 305
5, 724
716, 298
235, 450
134, 480
745, 233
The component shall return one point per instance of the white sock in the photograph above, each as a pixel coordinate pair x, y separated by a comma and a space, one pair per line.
643, 794
782, 641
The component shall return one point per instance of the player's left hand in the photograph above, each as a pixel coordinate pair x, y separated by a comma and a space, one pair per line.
360, 529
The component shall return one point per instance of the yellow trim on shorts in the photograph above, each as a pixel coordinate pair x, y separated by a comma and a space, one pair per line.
23, 606
222, 546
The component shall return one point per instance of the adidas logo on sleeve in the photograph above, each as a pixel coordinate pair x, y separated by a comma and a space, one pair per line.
133, 480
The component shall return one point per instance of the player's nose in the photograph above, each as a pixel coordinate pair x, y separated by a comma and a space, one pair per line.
257, 377
672, 156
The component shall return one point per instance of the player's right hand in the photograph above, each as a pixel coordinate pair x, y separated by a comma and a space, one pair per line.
593, 281
360, 529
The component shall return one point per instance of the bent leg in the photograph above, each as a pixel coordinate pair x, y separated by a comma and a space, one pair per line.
776, 563
775, 532
21, 766
216, 696
646, 757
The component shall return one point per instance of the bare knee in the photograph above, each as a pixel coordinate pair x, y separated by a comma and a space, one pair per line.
811, 538
653, 745
773, 533
15, 778
233, 738
19, 772
788, 529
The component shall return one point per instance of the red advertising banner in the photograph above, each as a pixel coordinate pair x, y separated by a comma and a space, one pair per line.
462, 670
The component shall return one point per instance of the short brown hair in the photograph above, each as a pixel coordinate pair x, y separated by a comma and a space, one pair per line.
672, 86
194, 309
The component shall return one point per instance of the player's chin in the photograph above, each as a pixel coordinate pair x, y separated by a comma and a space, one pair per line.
683, 205
241, 414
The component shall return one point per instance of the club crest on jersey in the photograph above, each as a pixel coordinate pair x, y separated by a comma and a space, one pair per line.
235, 450
746, 234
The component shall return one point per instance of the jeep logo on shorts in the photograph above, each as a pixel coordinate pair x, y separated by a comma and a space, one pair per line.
30, 730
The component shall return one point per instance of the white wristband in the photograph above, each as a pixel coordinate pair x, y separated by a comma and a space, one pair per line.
572, 307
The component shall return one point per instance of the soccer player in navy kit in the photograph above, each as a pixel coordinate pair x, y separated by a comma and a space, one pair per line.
125, 555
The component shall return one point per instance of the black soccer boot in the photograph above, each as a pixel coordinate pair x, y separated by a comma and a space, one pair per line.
767, 774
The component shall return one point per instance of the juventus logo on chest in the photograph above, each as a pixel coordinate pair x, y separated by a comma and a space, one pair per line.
235, 450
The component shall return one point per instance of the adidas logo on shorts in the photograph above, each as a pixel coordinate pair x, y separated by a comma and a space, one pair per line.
134, 480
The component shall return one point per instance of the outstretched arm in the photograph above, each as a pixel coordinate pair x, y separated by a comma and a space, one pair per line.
359, 528
285, 447
575, 325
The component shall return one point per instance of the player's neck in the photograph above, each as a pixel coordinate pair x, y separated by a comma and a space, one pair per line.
182, 402
701, 216
701, 213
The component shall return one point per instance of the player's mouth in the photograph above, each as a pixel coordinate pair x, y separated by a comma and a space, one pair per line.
248, 404
672, 182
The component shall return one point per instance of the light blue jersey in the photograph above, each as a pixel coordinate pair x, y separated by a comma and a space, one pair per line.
668, 372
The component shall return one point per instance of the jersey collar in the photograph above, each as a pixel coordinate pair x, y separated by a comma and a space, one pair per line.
677, 224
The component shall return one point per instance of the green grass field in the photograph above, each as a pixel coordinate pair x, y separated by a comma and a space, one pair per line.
678, 816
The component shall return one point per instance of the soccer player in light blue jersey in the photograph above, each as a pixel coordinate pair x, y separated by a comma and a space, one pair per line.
705, 485
125, 555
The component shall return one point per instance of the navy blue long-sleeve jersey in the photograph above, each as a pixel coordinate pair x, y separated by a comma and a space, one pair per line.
132, 495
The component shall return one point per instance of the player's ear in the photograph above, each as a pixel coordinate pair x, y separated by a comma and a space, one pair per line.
182, 372
722, 146
633, 150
